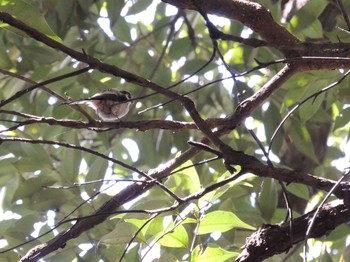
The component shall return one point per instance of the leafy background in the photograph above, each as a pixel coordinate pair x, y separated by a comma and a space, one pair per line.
158, 42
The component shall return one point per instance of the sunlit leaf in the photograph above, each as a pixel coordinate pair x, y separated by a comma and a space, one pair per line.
29, 15
299, 190
212, 253
175, 238
138, 7
184, 180
220, 221
121, 234
215, 194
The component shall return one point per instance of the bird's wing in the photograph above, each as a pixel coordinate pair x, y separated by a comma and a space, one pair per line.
108, 96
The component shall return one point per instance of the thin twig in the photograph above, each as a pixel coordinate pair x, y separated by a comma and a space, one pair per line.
313, 219
313, 96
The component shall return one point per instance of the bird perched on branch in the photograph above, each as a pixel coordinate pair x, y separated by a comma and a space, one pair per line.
110, 105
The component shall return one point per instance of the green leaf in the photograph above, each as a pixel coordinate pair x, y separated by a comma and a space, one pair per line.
71, 159
27, 164
139, 6
49, 199
155, 226
299, 190
307, 15
28, 15
180, 47
121, 234
7, 167
97, 170
43, 54
122, 30
212, 253
215, 194
193, 65
268, 199
5, 61
37, 154
176, 238
302, 140
114, 8
139, 223
185, 180
342, 119
33, 185
309, 108
314, 30
220, 221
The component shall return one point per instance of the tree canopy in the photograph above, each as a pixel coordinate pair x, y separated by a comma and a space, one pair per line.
234, 148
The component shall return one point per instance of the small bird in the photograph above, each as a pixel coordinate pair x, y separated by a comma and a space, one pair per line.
110, 105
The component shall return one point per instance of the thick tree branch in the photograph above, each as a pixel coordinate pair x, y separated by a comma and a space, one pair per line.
95, 63
251, 14
91, 61
249, 105
248, 163
258, 18
262, 243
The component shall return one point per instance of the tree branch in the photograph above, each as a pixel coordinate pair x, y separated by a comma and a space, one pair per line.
141, 125
251, 14
262, 243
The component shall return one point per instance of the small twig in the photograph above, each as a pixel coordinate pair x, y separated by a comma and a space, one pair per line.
170, 34
136, 234
80, 148
313, 96
284, 189
58, 224
93, 182
344, 13
46, 82
205, 147
177, 84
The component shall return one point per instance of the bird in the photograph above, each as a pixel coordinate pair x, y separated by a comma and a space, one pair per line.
110, 105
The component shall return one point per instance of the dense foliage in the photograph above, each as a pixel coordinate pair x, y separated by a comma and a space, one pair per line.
140, 189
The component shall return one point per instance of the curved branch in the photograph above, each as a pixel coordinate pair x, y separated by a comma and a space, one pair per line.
248, 106
262, 243
251, 14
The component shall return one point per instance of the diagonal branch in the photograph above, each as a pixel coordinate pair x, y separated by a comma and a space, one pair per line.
262, 243
248, 164
251, 14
